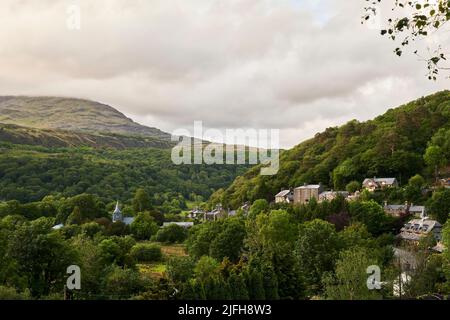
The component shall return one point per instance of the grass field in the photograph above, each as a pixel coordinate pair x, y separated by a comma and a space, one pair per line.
157, 269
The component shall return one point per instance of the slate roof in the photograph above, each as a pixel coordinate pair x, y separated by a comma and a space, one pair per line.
128, 220
388, 181
310, 186
283, 193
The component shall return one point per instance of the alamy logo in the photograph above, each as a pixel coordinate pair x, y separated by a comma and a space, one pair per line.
74, 280
228, 148
374, 280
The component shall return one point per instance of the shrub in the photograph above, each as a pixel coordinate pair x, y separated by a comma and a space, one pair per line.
92, 228
8, 293
172, 233
145, 252
143, 226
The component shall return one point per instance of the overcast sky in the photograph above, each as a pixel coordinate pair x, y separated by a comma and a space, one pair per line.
295, 65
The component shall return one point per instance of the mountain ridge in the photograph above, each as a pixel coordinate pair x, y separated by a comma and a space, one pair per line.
71, 114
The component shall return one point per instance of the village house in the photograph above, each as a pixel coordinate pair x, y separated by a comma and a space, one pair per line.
402, 210
396, 210
217, 213
245, 207
353, 197
417, 211
196, 213
331, 195
445, 182
439, 247
304, 194
417, 229
373, 184
284, 196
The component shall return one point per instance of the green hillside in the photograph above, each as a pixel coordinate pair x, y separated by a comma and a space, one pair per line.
29, 173
392, 144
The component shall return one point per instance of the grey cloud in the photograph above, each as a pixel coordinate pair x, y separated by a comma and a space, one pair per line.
295, 65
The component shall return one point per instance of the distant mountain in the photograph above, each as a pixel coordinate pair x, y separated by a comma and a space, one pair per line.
391, 145
69, 114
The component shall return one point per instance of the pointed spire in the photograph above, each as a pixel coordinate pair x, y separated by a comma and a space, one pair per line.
117, 214
117, 210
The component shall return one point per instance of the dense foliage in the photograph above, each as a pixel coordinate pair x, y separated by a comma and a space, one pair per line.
29, 174
320, 250
391, 145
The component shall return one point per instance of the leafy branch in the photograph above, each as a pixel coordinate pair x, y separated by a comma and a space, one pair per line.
417, 20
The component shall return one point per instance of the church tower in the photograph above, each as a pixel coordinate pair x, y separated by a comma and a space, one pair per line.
117, 214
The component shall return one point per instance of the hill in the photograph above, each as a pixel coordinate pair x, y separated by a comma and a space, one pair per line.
392, 144
65, 147
54, 138
69, 114
30, 173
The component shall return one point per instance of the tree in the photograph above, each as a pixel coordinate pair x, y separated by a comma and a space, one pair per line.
417, 181
255, 285
8, 293
317, 249
143, 226
270, 242
92, 228
446, 254
117, 228
216, 289
75, 217
439, 205
415, 20
116, 250
180, 269
206, 267
343, 173
9, 276
229, 241
257, 207
349, 281
369, 213
413, 191
141, 200
434, 157
238, 288
276, 230
270, 282
171, 234
200, 238
42, 256
146, 252
353, 186
121, 283
90, 207
92, 263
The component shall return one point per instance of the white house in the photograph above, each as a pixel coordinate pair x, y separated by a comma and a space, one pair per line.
373, 184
